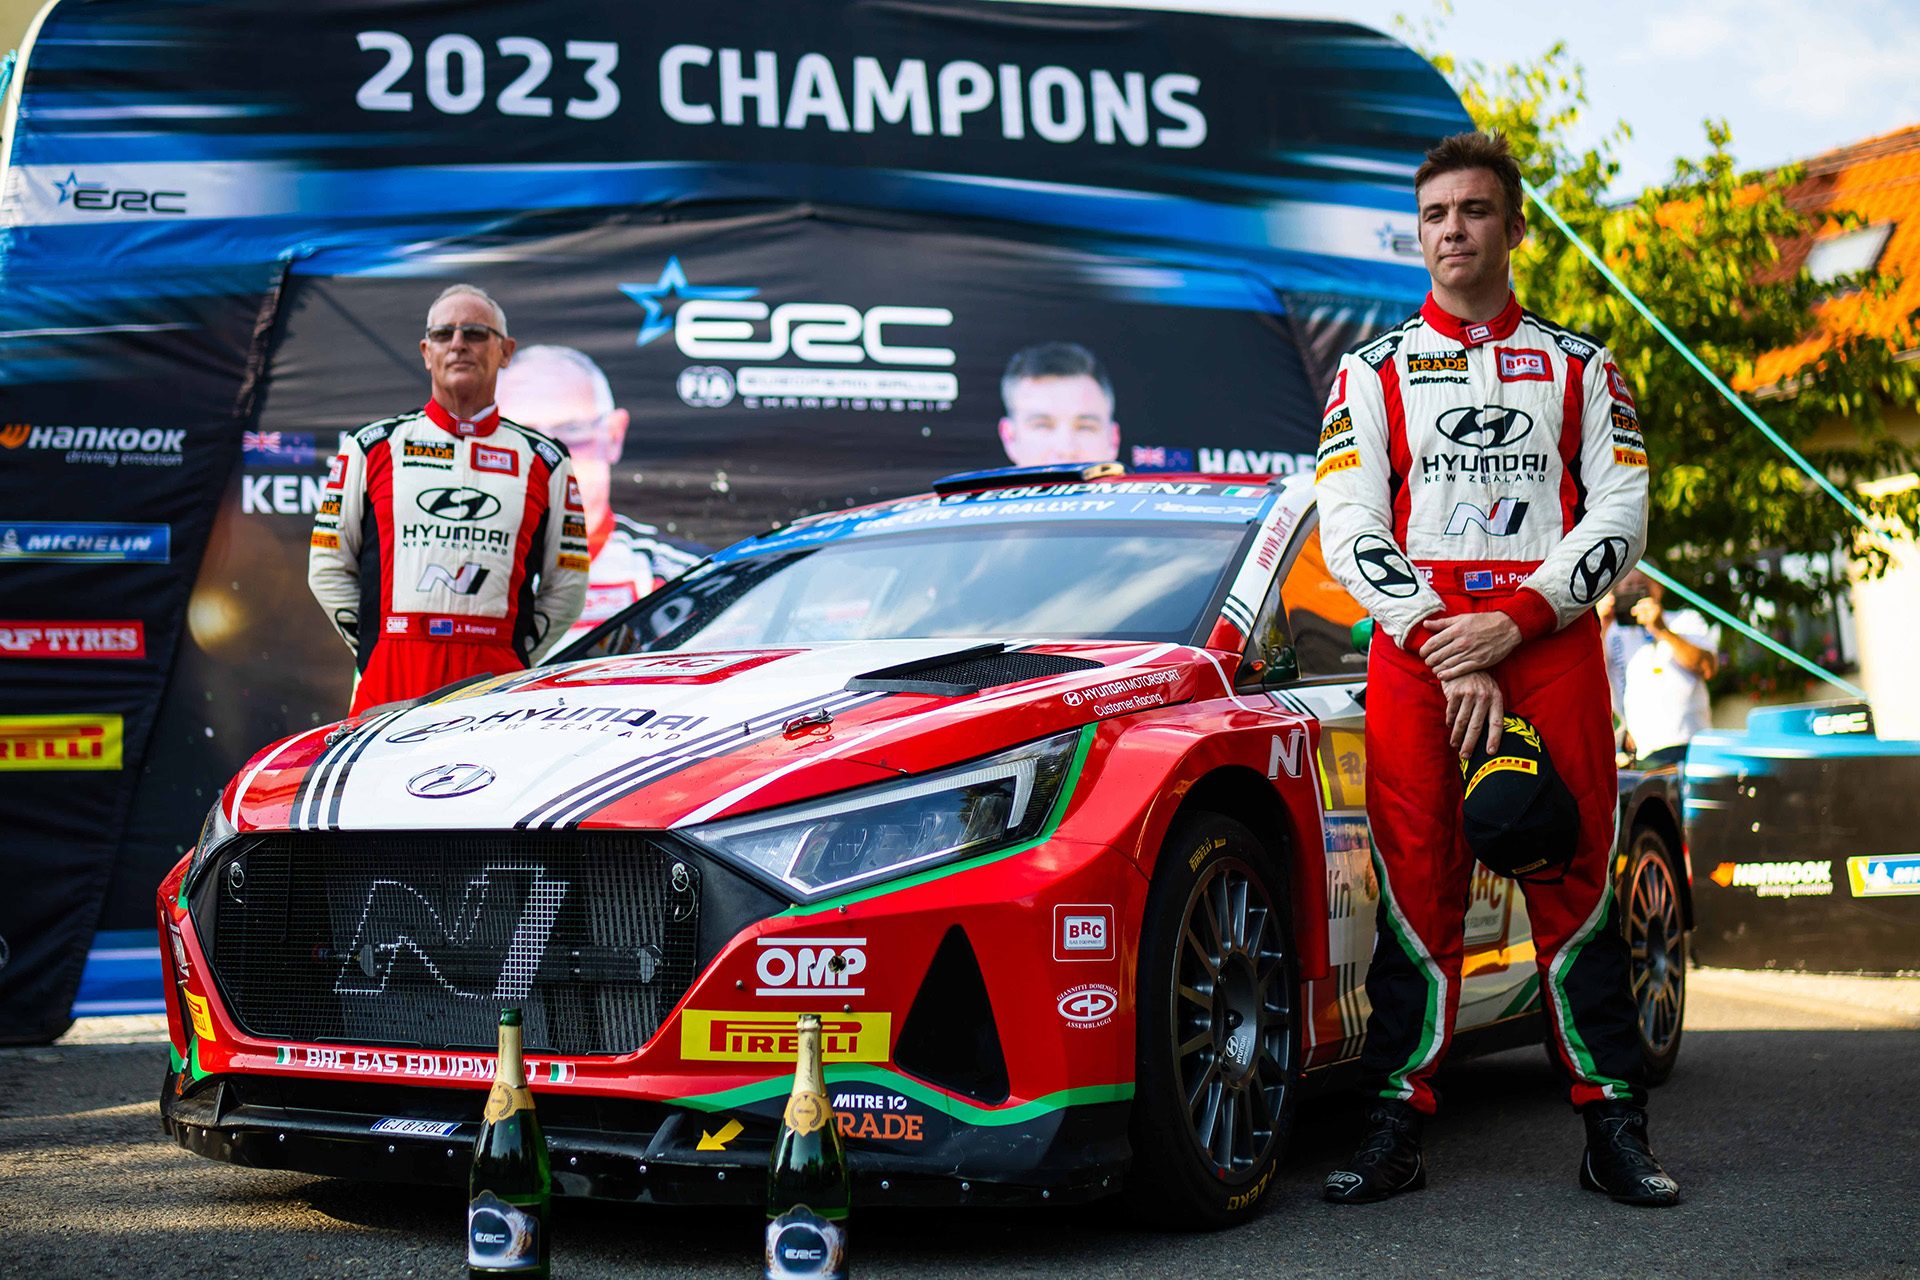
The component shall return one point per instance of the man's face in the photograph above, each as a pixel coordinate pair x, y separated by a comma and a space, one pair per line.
1466, 231
464, 371
1059, 420
559, 400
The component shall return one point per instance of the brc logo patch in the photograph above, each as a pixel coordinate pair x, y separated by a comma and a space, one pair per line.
1522, 364
1083, 931
487, 457
749, 1036
1337, 394
573, 495
337, 471
1618, 386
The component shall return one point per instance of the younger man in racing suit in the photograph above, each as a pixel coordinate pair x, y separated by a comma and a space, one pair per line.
1482, 482
449, 542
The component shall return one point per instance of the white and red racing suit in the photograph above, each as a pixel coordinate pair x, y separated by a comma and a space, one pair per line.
1466, 467
447, 547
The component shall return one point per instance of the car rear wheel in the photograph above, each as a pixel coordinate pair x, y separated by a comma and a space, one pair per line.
1218, 1028
1657, 945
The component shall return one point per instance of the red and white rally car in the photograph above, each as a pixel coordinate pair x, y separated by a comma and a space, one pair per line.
1044, 790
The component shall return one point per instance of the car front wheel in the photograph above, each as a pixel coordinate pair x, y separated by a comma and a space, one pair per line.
1218, 1028
1657, 945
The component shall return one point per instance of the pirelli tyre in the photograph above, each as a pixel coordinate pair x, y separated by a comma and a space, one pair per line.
1655, 925
1218, 1062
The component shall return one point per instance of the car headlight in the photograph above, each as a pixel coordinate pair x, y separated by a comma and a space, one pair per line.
214, 832
824, 847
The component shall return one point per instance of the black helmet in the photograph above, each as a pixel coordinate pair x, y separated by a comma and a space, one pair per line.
1519, 818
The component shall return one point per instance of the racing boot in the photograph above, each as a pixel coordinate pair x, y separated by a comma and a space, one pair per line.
1618, 1160
1388, 1161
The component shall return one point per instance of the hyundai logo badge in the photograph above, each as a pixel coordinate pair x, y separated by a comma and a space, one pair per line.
446, 781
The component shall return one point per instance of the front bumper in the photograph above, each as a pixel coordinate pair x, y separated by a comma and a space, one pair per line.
649, 1153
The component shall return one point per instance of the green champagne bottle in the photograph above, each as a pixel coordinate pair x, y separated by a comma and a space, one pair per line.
807, 1194
512, 1182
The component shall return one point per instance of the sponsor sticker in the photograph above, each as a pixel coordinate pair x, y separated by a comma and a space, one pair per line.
1479, 332
100, 543
757, 1036
1437, 362
337, 471
324, 540
115, 639
878, 1116
1348, 461
1089, 1005
573, 495
100, 446
1083, 931
577, 563
427, 451
201, 1016
415, 1128
1810, 879
487, 457
1629, 457
62, 742
1337, 394
1521, 364
419, 1066
1618, 386
1884, 875
811, 966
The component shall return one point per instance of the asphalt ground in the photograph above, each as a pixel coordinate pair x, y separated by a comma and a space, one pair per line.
1793, 1125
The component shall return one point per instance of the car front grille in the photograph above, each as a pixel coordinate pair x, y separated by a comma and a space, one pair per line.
419, 939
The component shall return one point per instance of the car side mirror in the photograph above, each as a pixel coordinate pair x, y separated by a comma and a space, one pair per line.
1283, 666
1362, 635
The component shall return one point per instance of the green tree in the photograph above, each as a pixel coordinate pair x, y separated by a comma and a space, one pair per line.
1703, 251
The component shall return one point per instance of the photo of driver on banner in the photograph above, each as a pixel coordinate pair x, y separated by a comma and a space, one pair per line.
562, 392
1059, 403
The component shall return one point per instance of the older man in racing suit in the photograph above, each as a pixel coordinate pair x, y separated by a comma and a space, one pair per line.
449, 542
1482, 482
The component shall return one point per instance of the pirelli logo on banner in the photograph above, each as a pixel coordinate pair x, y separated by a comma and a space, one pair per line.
707, 1036
70, 742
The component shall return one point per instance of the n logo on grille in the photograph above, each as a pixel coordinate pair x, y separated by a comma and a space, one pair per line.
488, 947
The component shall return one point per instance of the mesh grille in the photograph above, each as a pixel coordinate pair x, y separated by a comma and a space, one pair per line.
418, 939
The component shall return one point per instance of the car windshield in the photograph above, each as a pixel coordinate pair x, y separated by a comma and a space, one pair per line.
1131, 580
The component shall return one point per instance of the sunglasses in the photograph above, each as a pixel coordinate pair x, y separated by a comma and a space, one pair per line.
441, 334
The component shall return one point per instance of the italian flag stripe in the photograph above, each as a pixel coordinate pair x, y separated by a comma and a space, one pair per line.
1429, 1045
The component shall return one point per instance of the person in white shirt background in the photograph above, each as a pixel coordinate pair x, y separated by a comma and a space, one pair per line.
1658, 664
562, 392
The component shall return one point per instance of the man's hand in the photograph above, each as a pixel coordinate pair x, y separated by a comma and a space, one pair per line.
1649, 614
1468, 642
1474, 707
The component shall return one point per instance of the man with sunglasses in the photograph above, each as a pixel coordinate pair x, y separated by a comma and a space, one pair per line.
450, 542
562, 392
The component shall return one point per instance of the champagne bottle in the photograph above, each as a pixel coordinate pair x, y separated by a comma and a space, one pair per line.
807, 1195
512, 1182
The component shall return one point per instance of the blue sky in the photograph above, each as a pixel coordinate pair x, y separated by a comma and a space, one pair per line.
1791, 77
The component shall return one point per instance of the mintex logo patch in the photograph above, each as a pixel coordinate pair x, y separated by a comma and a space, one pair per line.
487, 457
1083, 931
1522, 364
748, 1036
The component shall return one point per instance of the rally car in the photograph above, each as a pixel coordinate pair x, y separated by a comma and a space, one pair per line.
1045, 790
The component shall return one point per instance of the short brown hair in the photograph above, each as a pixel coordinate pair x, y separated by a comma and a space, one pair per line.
1474, 150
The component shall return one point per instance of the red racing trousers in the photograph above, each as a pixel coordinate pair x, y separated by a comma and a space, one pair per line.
1559, 682
401, 667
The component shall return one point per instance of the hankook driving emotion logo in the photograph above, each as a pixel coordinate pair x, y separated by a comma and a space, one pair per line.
1384, 566
1489, 426
1597, 569
461, 506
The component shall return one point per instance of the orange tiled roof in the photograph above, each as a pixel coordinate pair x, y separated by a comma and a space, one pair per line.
1880, 180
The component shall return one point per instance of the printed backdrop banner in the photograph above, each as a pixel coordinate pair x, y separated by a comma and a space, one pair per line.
780, 253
